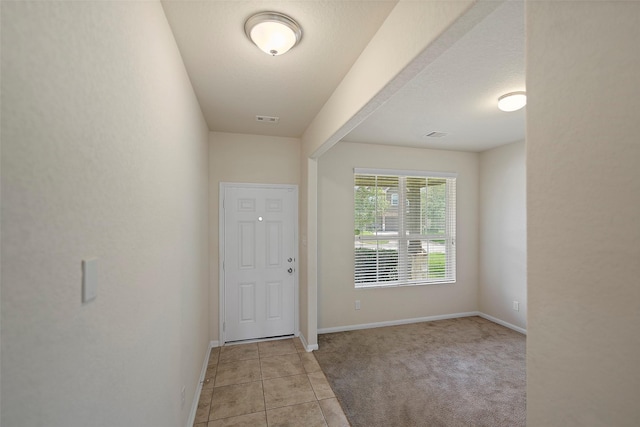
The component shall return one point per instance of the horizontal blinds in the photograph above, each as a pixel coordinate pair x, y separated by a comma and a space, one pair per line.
404, 229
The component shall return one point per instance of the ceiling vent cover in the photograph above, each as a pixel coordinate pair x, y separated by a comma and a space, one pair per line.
267, 119
435, 134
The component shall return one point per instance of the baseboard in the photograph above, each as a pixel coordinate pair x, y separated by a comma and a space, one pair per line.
196, 396
395, 322
503, 323
306, 345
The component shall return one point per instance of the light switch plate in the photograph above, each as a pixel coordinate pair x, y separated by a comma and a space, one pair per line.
89, 279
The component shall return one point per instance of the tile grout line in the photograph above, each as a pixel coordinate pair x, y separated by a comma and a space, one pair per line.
316, 394
264, 395
262, 381
215, 378
317, 401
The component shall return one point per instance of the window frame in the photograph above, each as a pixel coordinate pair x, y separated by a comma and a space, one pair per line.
404, 236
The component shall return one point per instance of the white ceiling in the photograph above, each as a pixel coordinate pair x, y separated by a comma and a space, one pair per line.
235, 81
457, 93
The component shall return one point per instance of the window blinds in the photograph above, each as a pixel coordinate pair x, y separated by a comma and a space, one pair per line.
404, 228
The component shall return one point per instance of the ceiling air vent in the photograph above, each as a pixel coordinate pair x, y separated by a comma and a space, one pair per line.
435, 134
267, 119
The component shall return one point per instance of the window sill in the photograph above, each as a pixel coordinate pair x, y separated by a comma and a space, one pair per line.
403, 285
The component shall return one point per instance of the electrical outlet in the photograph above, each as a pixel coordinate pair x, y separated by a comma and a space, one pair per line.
182, 397
357, 304
516, 306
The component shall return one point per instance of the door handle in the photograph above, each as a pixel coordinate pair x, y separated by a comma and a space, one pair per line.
290, 270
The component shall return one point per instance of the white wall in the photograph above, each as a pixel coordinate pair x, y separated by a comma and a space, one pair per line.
104, 154
414, 34
308, 257
243, 158
503, 234
583, 211
336, 292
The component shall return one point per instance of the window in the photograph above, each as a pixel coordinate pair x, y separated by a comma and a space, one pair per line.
405, 228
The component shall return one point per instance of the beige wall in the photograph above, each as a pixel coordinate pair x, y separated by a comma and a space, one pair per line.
336, 293
104, 154
307, 266
583, 210
413, 35
503, 234
303, 242
243, 158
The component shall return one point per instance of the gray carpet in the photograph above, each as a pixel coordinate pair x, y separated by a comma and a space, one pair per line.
458, 372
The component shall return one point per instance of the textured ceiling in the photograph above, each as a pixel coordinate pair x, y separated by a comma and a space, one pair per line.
458, 92
234, 81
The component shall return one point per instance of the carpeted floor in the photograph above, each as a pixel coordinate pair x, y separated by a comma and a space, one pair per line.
458, 372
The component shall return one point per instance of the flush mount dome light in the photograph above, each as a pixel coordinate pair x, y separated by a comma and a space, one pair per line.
273, 32
512, 101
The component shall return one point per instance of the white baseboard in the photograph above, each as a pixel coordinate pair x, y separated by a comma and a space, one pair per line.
396, 322
503, 323
196, 396
418, 320
306, 345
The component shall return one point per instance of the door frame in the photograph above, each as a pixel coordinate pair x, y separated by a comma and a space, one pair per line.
221, 251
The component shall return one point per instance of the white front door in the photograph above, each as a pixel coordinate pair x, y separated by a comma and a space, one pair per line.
259, 261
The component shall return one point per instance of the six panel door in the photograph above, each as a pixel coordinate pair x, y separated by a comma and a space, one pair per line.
259, 262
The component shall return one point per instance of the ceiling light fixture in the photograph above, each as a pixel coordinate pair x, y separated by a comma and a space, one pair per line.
273, 32
512, 101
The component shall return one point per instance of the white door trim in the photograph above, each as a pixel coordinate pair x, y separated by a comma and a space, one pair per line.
221, 240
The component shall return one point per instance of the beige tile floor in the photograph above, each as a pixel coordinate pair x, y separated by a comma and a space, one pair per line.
271, 383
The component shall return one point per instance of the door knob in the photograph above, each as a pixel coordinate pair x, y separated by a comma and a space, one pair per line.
290, 270
290, 259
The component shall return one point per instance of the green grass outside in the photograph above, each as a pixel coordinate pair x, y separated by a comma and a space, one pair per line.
388, 261
436, 263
